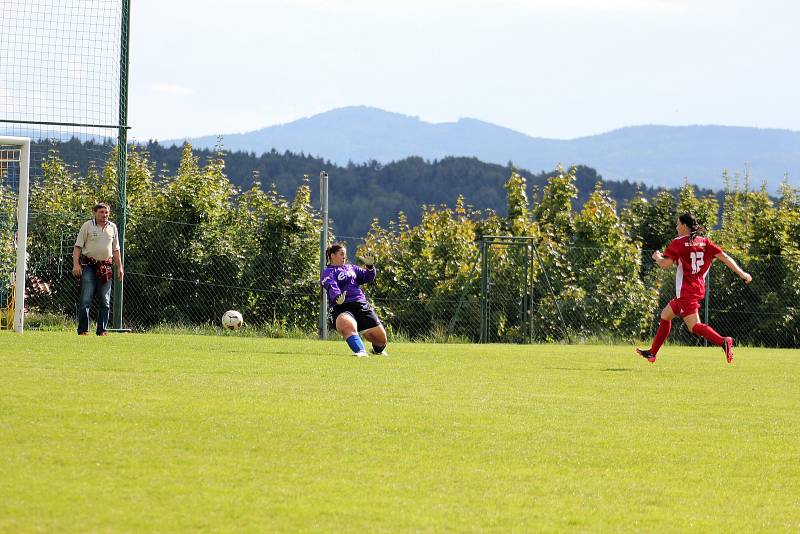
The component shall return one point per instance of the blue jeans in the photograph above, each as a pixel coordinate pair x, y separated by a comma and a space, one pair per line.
91, 287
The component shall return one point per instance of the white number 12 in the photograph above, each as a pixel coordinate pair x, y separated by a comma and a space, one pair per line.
697, 262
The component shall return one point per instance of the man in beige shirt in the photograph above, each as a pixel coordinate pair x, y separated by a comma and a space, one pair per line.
96, 247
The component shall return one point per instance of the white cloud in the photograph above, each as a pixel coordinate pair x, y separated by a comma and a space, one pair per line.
671, 7
171, 89
664, 7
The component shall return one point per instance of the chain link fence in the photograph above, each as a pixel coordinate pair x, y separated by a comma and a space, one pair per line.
170, 280
517, 295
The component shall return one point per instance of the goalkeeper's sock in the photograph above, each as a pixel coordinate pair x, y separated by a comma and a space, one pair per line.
377, 349
355, 343
705, 331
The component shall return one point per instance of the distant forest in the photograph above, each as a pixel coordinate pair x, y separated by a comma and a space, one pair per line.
360, 193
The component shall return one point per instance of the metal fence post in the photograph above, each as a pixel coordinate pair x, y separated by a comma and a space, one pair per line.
323, 244
484, 290
122, 160
707, 300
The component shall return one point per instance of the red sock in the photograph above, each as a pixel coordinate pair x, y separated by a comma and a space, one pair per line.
705, 331
664, 328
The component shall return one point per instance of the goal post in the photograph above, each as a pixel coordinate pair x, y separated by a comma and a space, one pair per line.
16, 152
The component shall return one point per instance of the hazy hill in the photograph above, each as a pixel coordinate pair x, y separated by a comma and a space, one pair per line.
654, 155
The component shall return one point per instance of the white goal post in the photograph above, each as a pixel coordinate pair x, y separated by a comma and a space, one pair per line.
17, 150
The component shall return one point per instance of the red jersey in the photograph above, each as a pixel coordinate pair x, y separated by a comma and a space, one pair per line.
693, 259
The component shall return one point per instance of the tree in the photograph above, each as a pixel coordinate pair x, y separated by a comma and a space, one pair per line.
58, 206
279, 257
705, 210
423, 270
616, 301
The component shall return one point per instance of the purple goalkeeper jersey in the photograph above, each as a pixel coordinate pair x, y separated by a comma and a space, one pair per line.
337, 279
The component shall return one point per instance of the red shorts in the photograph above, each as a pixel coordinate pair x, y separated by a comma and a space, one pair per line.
684, 306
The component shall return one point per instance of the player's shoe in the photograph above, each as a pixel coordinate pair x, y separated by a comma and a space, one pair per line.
727, 347
384, 352
361, 354
647, 355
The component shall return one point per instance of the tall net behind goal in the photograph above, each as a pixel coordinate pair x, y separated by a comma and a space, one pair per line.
63, 85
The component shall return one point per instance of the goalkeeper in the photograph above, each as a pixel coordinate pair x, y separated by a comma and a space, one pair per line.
349, 309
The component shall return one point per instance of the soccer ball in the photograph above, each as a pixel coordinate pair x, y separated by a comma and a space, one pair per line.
232, 320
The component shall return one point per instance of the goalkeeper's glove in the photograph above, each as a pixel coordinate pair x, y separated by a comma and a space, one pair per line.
340, 298
368, 258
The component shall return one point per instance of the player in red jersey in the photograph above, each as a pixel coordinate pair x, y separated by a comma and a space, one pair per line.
693, 254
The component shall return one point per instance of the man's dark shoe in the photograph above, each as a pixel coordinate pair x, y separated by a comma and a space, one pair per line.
83, 333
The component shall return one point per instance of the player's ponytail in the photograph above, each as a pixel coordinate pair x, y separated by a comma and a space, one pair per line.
333, 249
695, 228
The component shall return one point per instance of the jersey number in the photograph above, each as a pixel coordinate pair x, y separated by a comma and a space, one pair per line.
697, 262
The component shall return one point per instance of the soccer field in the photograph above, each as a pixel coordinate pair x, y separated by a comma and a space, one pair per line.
145, 432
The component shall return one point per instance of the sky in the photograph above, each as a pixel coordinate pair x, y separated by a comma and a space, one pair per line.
548, 68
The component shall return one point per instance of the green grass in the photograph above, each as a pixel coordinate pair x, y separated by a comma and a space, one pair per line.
149, 432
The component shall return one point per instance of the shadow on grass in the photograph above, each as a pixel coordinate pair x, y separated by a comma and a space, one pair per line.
607, 370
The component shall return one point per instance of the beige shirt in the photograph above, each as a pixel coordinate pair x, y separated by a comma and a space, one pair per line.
96, 242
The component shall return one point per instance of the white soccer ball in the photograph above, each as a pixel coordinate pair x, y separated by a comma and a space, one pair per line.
232, 320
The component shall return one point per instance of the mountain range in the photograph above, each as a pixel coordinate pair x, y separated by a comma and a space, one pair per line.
658, 156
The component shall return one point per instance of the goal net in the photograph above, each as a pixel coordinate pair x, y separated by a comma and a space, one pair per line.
15, 173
